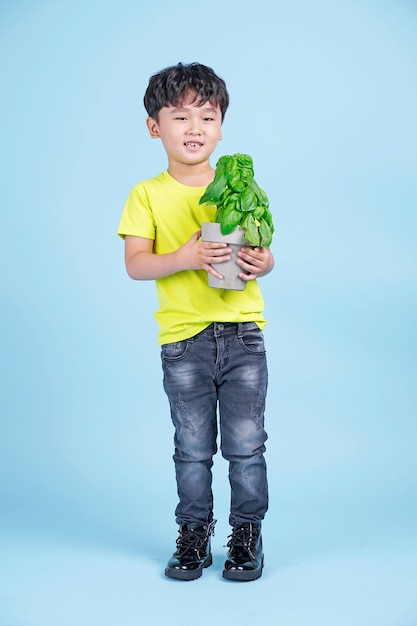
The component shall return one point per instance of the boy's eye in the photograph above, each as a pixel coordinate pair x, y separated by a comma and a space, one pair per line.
184, 118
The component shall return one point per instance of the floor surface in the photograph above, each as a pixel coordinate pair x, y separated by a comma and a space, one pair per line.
51, 582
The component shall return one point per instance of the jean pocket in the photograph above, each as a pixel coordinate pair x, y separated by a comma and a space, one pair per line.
252, 340
176, 350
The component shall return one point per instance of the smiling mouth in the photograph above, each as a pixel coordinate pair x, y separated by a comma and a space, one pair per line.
193, 144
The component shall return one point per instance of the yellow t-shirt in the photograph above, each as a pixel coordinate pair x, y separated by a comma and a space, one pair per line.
168, 212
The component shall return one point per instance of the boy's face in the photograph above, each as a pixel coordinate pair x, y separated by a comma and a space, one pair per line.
189, 133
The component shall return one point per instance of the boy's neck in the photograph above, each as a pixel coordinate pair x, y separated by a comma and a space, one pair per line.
199, 175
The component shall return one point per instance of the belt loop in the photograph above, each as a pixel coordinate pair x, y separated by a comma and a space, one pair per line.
240, 330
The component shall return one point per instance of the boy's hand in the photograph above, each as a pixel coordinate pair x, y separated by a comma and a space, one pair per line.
255, 261
143, 264
199, 255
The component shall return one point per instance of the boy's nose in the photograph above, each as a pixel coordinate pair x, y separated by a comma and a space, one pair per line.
194, 129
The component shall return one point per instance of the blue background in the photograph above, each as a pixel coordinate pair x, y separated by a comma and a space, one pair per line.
324, 98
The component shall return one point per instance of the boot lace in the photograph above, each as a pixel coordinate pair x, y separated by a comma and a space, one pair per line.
243, 538
193, 540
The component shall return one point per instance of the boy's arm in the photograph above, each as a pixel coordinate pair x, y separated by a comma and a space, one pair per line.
143, 264
257, 261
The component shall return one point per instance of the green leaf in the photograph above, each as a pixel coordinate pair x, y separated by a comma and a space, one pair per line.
265, 233
237, 184
228, 220
246, 174
259, 212
260, 196
263, 197
244, 160
248, 200
252, 233
244, 221
215, 189
232, 201
224, 162
268, 218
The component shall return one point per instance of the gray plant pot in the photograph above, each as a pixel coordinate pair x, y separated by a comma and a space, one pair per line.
210, 231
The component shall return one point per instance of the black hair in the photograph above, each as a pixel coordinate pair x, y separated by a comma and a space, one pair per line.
172, 85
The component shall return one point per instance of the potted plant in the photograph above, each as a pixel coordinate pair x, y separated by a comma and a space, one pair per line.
242, 218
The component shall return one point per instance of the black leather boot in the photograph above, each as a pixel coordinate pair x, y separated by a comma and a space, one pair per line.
245, 558
193, 552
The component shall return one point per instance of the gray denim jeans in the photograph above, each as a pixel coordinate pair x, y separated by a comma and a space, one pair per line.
221, 370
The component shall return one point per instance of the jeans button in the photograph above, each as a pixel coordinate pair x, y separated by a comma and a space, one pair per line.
220, 327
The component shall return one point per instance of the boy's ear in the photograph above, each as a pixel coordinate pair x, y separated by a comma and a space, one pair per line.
152, 127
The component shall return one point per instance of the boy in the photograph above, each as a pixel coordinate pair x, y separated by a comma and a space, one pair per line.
212, 347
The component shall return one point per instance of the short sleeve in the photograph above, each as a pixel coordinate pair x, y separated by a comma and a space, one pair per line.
137, 218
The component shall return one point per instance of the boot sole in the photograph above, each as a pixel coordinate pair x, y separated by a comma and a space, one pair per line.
188, 574
243, 575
